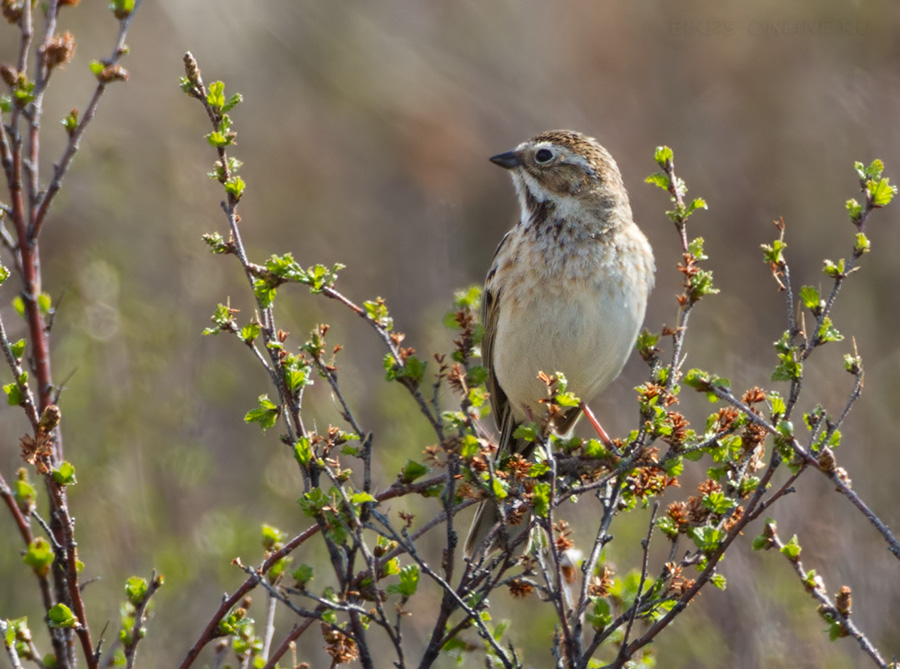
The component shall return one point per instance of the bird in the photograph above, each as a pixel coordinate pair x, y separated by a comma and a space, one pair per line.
566, 292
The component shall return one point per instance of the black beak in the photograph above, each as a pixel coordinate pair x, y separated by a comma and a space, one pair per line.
509, 160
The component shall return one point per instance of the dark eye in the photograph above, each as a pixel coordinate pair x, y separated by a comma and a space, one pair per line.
543, 156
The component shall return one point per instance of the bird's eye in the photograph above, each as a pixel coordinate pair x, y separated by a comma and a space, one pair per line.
543, 156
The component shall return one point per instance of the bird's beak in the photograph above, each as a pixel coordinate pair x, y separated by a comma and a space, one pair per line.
509, 160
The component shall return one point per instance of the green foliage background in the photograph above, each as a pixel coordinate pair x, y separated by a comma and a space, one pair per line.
365, 136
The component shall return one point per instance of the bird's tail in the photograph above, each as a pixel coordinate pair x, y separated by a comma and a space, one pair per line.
488, 518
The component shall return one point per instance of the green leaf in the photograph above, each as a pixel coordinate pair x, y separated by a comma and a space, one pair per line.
601, 614
701, 283
414, 368
319, 278
810, 298
862, 245
469, 447
249, 332
409, 582
774, 253
25, 493
792, 549
668, 527
233, 102
476, 375
854, 210
658, 179
18, 349
362, 498
852, 363
776, 403
44, 303
273, 538
235, 186
297, 372
696, 379
594, 448
827, 332
215, 98
646, 342
538, 469
14, 396
265, 415
478, 397
528, 432
265, 292
707, 538
695, 248
222, 320
377, 311
719, 581
717, 502
881, 192
567, 399
39, 556
762, 542
303, 575
789, 368
499, 487
662, 156
873, 171
834, 270
218, 139
96, 67
70, 122
65, 474
412, 470
121, 8
61, 615
303, 451
136, 590
696, 203
541, 499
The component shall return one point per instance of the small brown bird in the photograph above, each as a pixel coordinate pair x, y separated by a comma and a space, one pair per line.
566, 292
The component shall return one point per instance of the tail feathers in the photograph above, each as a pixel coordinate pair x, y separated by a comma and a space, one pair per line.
487, 518
487, 521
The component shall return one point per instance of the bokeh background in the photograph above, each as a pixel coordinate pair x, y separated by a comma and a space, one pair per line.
365, 133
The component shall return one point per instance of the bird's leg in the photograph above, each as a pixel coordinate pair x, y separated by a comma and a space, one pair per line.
599, 428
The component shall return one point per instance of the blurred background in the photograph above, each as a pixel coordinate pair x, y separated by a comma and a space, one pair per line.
365, 133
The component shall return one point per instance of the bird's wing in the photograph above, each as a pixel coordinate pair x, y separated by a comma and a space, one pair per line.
490, 316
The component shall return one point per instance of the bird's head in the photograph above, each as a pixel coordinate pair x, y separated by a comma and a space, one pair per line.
563, 165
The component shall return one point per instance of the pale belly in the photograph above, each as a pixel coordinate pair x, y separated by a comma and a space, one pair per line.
585, 334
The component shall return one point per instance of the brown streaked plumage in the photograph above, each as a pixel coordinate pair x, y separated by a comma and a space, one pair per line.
566, 291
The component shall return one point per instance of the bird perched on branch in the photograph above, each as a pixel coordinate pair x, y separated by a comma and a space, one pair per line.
566, 292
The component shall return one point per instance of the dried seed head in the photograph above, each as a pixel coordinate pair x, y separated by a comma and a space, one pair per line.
9, 74
58, 50
112, 73
12, 9
844, 600
50, 417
